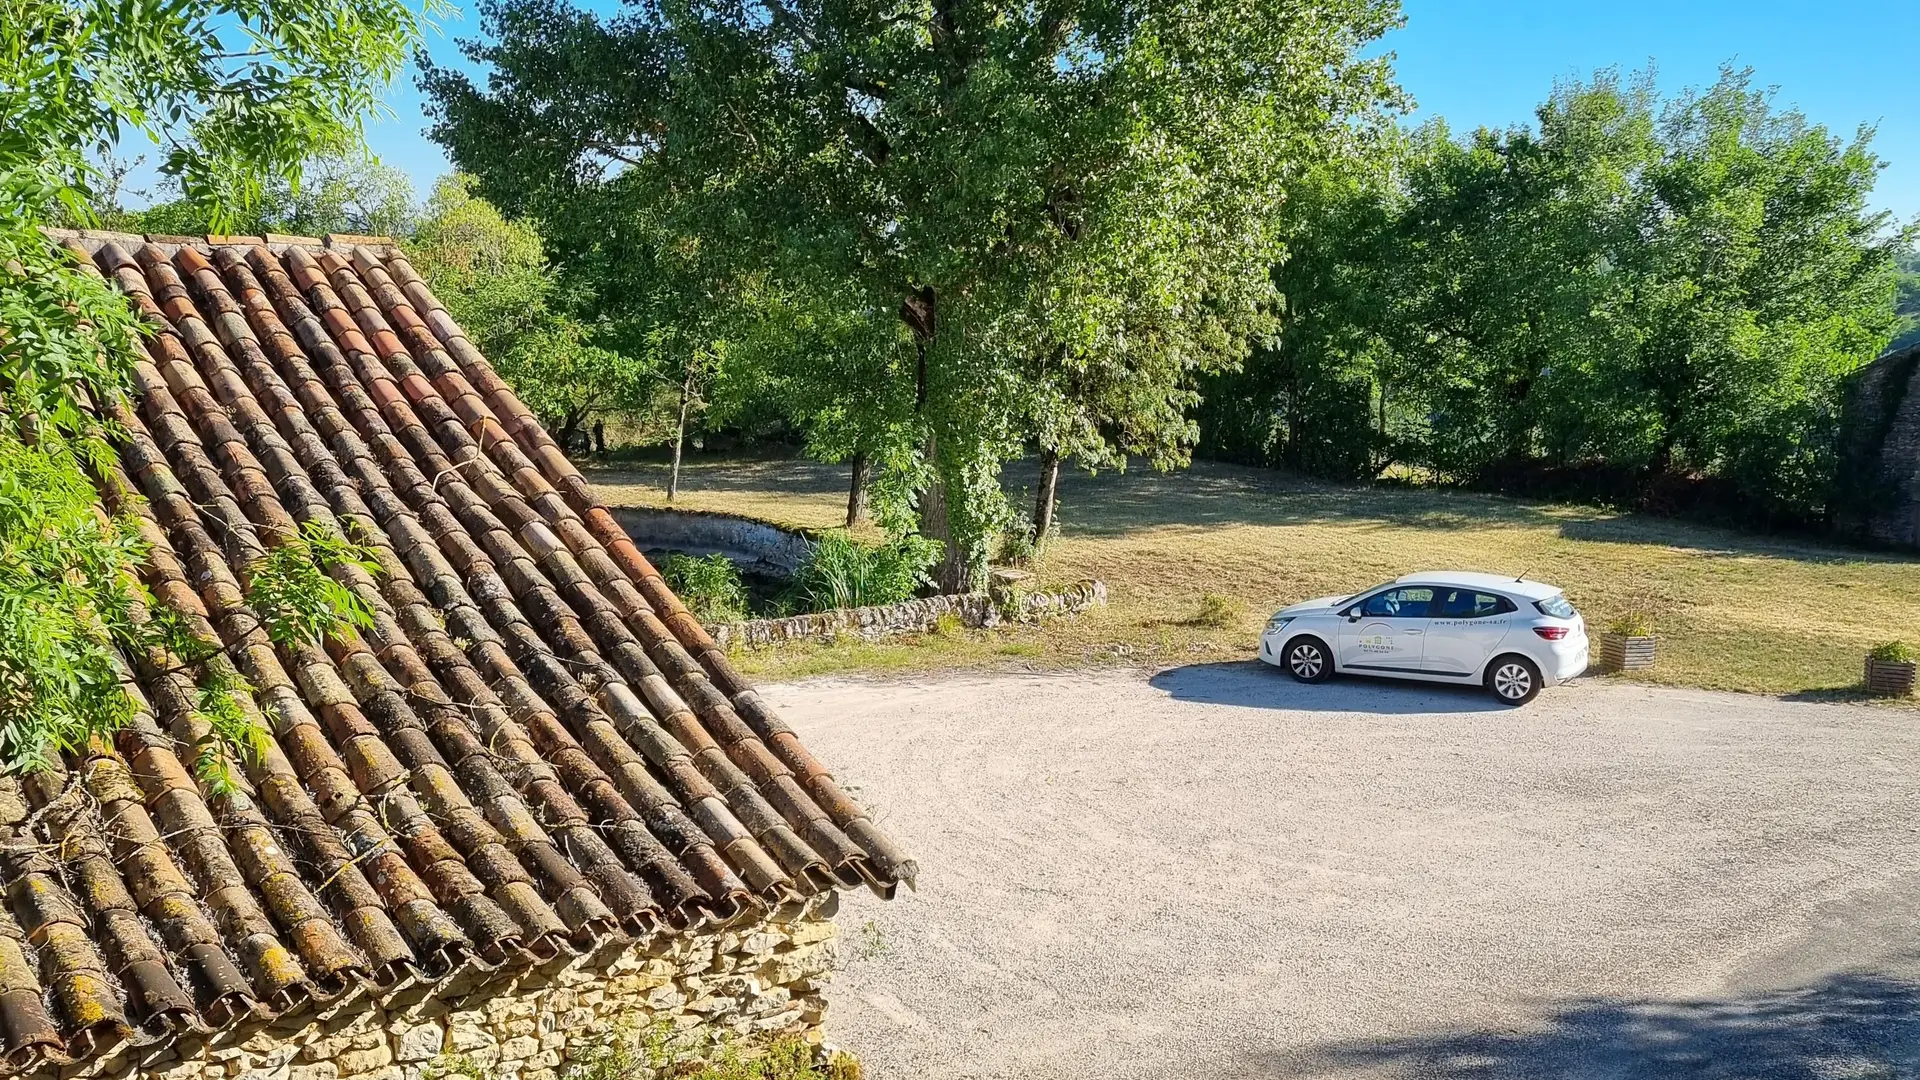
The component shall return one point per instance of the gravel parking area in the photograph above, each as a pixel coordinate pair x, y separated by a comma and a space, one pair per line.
1214, 872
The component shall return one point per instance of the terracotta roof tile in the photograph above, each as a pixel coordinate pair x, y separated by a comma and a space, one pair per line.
533, 749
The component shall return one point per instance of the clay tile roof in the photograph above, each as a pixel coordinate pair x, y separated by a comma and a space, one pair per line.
534, 749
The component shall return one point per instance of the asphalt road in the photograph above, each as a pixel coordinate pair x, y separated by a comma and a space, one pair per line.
1213, 872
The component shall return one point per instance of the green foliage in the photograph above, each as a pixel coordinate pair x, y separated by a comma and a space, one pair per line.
1018, 546
64, 607
1894, 652
1632, 624
493, 276
988, 222
350, 193
656, 1051
1629, 288
840, 572
296, 601
233, 94
1217, 610
782, 1059
229, 728
710, 587
230, 93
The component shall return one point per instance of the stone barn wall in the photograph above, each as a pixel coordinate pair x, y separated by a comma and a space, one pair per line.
1879, 497
754, 982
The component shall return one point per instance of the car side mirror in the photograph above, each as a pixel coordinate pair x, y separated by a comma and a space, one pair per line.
1352, 614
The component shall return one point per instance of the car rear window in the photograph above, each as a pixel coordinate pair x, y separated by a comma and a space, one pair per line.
1556, 606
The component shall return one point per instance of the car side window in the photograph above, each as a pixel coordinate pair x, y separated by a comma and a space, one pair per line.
1406, 603
1467, 604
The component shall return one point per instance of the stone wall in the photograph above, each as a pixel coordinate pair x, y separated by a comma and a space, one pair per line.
691, 992
916, 616
1879, 493
753, 545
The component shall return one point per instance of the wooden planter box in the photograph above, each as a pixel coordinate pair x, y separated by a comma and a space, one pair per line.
1888, 679
1619, 652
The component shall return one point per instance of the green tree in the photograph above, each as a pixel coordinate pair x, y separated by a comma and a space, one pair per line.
1770, 281
492, 274
333, 193
1624, 292
1003, 180
230, 94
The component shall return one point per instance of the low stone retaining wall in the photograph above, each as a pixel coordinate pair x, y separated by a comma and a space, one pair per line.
915, 616
692, 991
752, 545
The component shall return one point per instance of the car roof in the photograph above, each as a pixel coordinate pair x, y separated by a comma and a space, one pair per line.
1532, 590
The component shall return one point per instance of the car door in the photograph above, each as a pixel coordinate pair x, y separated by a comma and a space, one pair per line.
1465, 627
1386, 632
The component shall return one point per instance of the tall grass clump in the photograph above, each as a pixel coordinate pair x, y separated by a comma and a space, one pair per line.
710, 587
840, 572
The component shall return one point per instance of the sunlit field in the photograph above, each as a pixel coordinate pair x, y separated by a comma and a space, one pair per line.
1733, 611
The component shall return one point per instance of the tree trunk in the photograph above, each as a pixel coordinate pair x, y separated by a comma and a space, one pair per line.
1044, 497
955, 572
857, 489
680, 435
599, 437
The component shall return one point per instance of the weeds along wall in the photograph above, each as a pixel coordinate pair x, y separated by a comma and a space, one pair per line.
690, 996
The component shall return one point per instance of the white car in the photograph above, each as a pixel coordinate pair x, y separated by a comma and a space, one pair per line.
1510, 635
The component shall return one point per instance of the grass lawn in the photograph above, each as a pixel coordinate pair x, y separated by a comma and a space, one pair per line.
1733, 611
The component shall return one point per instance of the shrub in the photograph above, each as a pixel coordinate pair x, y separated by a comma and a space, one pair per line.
1216, 610
1019, 544
1894, 652
630, 1051
710, 587
1016, 546
840, 572
1632, 624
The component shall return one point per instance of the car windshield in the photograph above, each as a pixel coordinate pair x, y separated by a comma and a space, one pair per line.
1556, 606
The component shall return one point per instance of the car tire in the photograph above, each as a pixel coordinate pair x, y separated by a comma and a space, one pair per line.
1513, 679
1308, 660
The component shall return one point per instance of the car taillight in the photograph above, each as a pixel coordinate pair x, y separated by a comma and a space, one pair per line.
1551, 633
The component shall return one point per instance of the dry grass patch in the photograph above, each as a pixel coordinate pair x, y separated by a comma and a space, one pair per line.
1732, 611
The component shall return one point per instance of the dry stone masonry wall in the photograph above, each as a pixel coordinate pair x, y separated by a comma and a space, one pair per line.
691, 993
982, 609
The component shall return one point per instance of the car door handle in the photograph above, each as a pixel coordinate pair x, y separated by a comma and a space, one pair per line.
1415, 633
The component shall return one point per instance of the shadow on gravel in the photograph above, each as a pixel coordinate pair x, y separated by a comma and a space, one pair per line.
1255, 685
1860, 1025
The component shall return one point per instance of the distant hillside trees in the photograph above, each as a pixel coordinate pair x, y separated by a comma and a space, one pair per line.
1630, 291
348, 192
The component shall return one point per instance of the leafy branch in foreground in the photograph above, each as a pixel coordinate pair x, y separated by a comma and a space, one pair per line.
64, 599
233, 94
296, 601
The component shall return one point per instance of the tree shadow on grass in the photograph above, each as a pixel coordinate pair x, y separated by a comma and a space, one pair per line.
724, 473
1252, 684
1715, 540
1855, 1025
1212, 494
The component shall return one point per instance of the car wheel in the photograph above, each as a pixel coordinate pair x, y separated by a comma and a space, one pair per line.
1308, 660
1515, 680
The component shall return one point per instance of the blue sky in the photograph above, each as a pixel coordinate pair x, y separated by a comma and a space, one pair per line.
1489, 62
